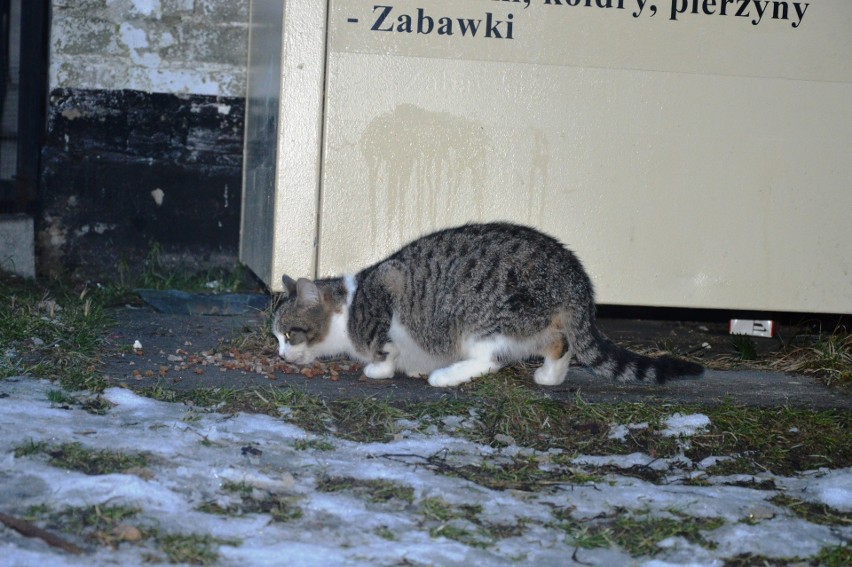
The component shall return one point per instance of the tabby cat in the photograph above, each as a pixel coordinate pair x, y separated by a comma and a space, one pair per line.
460, 303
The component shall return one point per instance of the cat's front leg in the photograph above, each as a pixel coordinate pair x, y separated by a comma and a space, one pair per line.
482, 359
384, 363
461, 372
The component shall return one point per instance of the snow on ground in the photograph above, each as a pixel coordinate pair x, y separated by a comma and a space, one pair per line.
678, 424
192, 455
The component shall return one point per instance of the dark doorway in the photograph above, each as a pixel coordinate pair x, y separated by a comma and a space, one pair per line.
23, 95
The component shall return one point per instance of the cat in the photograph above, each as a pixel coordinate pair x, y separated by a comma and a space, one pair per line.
461, 303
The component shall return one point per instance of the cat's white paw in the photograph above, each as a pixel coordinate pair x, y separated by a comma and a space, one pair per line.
552, 372
546, 376
379, 370
447, 378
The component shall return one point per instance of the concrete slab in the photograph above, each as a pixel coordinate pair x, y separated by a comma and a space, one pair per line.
163, 336
17, 245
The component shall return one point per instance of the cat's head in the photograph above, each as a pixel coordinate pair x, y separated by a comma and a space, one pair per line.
302, 320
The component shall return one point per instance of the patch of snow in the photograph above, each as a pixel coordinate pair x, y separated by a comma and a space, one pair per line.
633, 460
830, 487
777, 538
192, 453
678, 425
708, 462
620, 432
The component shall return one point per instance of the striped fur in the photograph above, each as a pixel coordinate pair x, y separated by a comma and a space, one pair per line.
460, 303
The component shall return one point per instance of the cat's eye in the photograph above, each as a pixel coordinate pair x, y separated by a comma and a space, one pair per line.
295, 335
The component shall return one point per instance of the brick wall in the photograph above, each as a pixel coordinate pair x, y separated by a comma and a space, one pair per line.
144, 133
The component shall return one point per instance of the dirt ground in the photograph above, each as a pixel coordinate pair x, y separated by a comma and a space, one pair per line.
176, 348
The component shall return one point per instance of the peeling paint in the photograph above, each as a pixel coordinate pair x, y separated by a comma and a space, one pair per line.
72, 113
187, 47
147, 8
97, 228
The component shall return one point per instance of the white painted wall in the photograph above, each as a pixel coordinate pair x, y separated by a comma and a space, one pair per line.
164, 46
690, 159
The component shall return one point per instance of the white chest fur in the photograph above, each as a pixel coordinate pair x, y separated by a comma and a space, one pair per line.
413, 360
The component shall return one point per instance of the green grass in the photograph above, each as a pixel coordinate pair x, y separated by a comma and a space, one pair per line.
56, 329
31, 448
49, 330
105, 525
744, 346
636, 534
156, 272
435, 508
826, 355
58, 397
781, 440
385, 533
73, 456
462, 523
473, 536
814, 513
94, 404
376, 491
194, 549
280, 508
313, 445
438, 509
256, 501
111, 525
838, 556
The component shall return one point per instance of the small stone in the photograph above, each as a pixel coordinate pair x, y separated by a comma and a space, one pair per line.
142, 472
505, 439
761, 513
126, 532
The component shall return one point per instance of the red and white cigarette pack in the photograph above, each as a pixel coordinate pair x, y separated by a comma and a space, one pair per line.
752, 327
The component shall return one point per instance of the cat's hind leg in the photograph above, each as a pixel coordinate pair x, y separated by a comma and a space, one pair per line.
385, 367
482, 360
557, 359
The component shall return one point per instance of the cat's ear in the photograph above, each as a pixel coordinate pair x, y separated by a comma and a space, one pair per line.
307, 293
289, 285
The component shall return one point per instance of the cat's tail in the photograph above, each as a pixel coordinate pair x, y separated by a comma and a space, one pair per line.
605, 358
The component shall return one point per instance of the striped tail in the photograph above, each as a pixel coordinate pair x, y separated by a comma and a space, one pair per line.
608, 360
